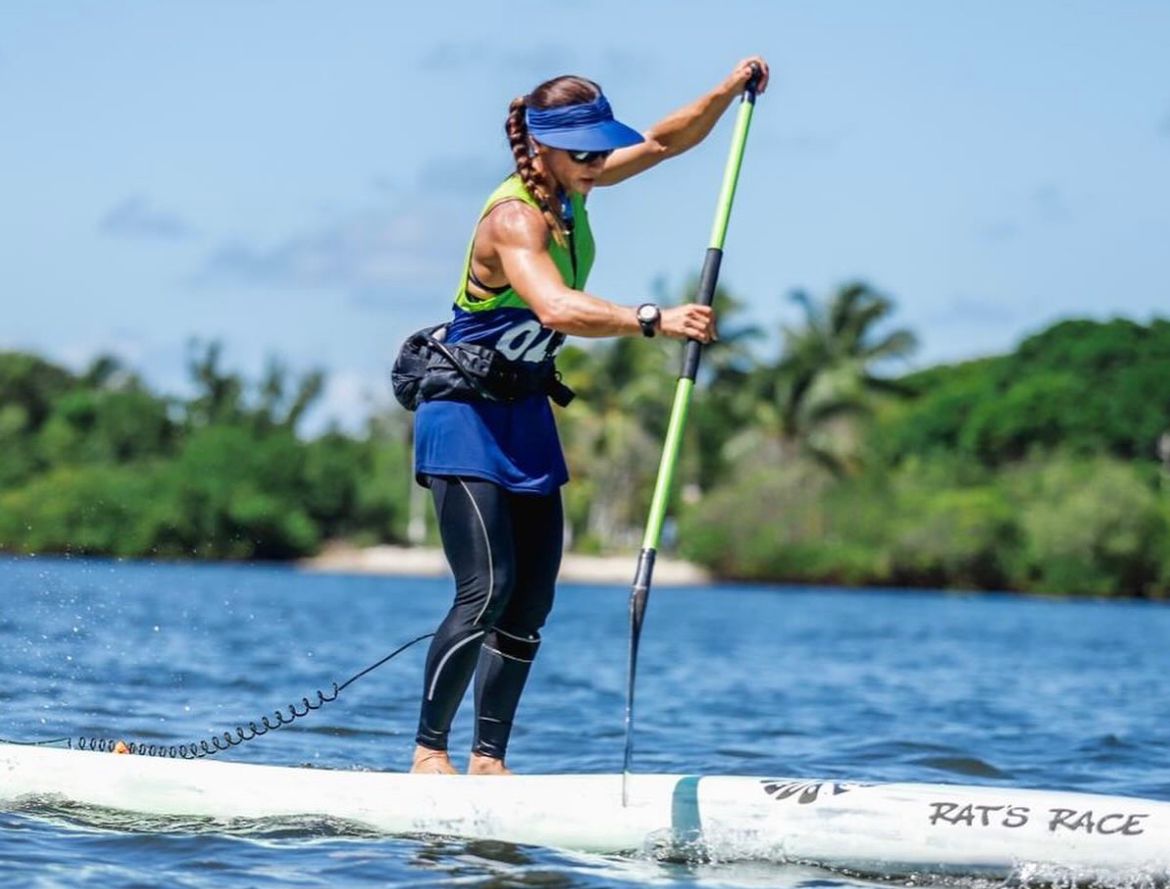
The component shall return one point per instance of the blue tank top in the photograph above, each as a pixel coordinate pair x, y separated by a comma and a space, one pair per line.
514, 444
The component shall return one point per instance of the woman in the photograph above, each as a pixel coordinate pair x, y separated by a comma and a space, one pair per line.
495, 467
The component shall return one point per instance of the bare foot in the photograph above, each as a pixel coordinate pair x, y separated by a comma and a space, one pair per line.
431, 762
486, 765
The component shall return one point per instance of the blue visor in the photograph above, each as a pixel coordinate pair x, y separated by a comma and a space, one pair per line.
588, 126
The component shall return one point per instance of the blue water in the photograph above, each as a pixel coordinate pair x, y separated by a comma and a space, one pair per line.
820, 683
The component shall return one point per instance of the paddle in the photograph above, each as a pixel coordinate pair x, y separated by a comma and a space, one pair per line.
678, 414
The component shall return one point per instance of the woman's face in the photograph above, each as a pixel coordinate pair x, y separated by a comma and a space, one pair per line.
572, 175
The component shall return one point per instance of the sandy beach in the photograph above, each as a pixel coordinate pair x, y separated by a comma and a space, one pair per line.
405, 561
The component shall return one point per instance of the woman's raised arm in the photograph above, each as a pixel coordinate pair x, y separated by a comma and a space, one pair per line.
684, 128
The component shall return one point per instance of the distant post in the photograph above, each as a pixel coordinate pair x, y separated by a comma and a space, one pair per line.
416, 526
1164, 456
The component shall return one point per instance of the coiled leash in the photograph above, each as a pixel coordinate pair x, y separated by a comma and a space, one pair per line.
226, 741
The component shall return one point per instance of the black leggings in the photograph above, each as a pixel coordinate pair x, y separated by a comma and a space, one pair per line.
505, 552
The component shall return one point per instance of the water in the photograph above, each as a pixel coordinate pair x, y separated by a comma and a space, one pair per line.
872, 686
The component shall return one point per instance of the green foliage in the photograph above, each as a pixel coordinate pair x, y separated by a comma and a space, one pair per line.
95, 426
383, 483
946, 533
933, 422
33, 384
793, 521
1065, 525
1093, 527
236, 494
86, 510
330, 478
97, 464
1080, 386
20, 460
28, 388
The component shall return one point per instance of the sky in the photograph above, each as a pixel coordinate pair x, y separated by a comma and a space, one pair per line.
300, 180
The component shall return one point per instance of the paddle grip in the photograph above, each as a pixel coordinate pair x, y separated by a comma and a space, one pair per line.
753, 83
706, 295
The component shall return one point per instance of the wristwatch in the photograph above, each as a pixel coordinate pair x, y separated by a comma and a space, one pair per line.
649, 316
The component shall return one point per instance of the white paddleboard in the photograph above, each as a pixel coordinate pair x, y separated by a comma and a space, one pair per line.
872, 829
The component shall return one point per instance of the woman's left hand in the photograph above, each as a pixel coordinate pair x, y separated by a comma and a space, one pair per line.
743, 73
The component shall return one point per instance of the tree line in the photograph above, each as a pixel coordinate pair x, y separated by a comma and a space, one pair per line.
97, 464
1044, 469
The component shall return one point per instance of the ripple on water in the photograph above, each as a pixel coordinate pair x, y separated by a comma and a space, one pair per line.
969, 766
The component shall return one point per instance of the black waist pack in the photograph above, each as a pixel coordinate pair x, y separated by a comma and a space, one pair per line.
429, 369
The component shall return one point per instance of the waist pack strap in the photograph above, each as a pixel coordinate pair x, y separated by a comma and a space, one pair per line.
542, 379
455, 362
558, 391
509, 380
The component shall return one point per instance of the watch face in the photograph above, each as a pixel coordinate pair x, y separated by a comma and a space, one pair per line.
647, 312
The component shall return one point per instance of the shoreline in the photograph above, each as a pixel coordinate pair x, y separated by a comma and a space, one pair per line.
424, 561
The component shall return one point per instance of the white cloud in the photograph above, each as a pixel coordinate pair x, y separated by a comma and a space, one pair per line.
360, 252
135, 217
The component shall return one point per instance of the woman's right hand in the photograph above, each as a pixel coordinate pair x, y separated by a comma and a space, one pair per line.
692, 321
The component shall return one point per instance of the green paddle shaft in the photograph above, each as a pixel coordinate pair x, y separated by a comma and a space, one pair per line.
694, 349
678, 414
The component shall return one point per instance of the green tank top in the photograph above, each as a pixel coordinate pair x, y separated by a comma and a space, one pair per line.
574, 260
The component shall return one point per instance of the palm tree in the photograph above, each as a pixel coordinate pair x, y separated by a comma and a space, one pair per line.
725, 402
613, 434
615, 431
825, 380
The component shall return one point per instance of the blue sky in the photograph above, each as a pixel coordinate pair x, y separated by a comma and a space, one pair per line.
300, 179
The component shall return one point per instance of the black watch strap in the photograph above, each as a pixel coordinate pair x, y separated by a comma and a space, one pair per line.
649, 316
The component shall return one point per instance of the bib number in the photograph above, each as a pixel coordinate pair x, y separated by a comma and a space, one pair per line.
525, 342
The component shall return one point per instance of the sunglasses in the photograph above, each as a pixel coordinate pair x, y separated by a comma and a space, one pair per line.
588, 157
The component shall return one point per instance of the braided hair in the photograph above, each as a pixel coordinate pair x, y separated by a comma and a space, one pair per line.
565, 90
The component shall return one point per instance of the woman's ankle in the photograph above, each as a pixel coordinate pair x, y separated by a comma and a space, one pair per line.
480, 764
431, 762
